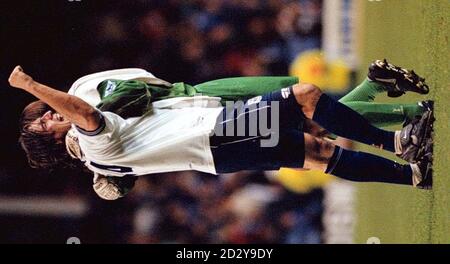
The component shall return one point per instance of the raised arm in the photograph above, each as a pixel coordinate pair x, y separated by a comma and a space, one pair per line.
71, 107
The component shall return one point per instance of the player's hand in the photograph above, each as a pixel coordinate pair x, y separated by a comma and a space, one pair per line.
113, 188
19, 79
106, 190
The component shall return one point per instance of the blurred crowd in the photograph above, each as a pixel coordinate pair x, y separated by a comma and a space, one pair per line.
193, 41
198, 40
242, 207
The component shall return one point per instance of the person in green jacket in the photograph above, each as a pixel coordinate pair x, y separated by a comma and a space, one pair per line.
134, 97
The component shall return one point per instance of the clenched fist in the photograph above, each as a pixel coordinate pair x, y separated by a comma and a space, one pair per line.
19, 79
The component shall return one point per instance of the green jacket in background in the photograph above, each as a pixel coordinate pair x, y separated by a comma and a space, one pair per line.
132, 98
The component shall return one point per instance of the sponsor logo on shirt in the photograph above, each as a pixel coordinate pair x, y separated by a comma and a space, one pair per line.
110, 87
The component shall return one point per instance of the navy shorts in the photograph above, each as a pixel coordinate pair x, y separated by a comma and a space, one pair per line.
238, 143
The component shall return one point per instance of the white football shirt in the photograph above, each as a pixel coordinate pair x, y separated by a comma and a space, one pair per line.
167, 140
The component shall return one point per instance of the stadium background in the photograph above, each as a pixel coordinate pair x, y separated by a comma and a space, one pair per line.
199, 40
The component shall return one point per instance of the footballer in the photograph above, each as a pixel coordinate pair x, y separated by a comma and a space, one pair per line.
159, 127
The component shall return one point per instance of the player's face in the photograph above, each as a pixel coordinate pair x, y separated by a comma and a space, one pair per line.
53, 123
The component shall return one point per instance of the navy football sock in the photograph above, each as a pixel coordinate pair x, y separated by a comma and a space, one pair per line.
365, 167
343, 121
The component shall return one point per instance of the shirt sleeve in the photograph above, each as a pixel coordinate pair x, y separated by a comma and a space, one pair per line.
101, 127
106, 136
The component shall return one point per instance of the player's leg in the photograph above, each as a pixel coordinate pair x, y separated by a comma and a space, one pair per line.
362, 167
378, 114
385, 115
244, 88
343, 121
340, 119
385, 77
361, 100
366, 91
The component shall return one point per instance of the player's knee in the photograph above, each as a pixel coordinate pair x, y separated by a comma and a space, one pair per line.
317, 152
320, 149
307, 96
306, 91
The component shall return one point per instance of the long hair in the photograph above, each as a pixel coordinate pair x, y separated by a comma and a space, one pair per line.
42, 149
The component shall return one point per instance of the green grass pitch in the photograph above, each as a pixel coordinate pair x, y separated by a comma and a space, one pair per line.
413, 34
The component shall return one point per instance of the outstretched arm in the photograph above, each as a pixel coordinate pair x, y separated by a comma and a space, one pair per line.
71, 107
